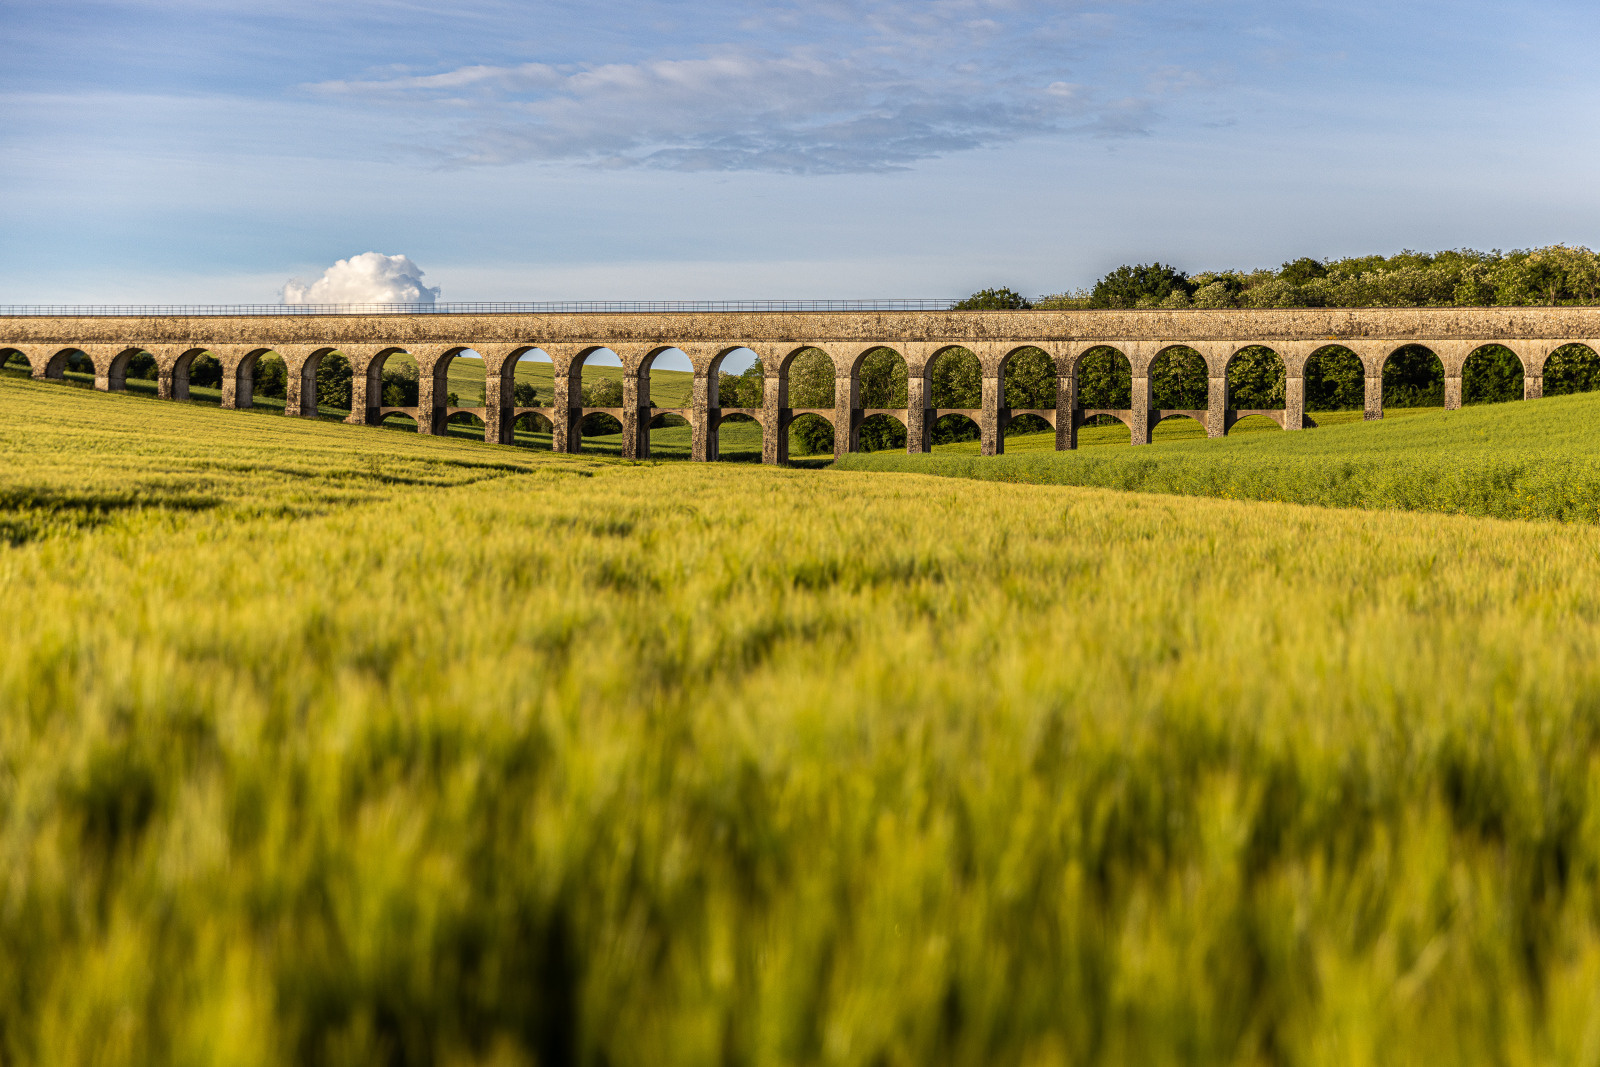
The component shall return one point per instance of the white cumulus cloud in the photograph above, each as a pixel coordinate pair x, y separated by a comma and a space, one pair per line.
370, 278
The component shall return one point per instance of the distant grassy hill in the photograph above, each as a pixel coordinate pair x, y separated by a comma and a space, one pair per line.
1525, 459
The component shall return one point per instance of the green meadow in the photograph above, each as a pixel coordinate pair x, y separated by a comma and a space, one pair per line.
333, 745
1518, 460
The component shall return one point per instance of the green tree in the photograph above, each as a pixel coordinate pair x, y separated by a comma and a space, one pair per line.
811, 382
1030, 379
882, 381
602, 393
1256, 379
1002, 299
1178, 380
1492, 375
400, 385
1571, 369
1145, 285
333, 381
524, 395
1413, 378
955, 381
1335, 380
206, 371
1105, 380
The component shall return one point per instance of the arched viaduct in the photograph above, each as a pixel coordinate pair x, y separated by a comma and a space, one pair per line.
919, 337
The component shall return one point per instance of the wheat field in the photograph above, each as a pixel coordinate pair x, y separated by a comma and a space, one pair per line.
332, 745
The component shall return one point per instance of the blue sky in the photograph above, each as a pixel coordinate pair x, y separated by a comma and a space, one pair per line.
209, 150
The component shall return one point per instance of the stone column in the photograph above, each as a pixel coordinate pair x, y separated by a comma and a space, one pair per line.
1066, 412
292, 403
1141, 409
430, 417
844, 415
1294, 402
1452, 391
359, 383
774, 435
230, 386
1374, 396
702, 447
631, 446
991, 431
919, 416
497, 418
1532, 386
563, 437
1217, 405
166, 384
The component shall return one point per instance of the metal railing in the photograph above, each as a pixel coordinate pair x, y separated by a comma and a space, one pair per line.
536, 307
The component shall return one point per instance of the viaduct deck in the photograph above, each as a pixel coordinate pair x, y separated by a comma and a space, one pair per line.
367, 340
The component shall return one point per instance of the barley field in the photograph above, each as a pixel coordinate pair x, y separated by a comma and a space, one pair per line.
331, 745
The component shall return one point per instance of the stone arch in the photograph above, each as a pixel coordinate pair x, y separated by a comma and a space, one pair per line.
1335, 379
1257, 421
1492, 374
1029, 378
465, 422
436, 397
398, 419
749, 381
306, 402
1098, 420
665, 386
11, 356
1413, 377
513, 375
528, 426
1104, 374
954, 376
118, 365
880, 430
182, 368
1571, 368
1180, 380
813, 389
1257, 379
60, 361
810, 432
882, 379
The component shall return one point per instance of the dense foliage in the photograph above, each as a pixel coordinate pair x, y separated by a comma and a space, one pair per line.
1555, 275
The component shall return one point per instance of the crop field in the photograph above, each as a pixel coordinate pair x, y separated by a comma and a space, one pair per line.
331, 745
1525, 460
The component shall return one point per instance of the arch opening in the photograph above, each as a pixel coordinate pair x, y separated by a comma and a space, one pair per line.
810, 435
1335, 380
882, 381
955, 380
197, 375
71, 365
1105, 429
14, 363
532, 430
1254, 424
1029, 426
1413, 377
880, 433
1105, 379
741, 379
738, 439
957, 431
808, 382
528, 379
1176, 426
1029, 379
398, 420
325, 384
1571, 369
1256, 379
1179, 381
459, 380
1491, 374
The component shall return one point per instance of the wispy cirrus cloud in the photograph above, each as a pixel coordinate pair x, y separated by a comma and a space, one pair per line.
905, 83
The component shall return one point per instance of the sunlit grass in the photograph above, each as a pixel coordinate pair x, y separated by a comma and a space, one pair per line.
327, 744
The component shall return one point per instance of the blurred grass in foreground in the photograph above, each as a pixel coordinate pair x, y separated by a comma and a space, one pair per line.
1523, 460
331, 745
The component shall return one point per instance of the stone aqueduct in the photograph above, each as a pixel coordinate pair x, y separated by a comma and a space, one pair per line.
433, 340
